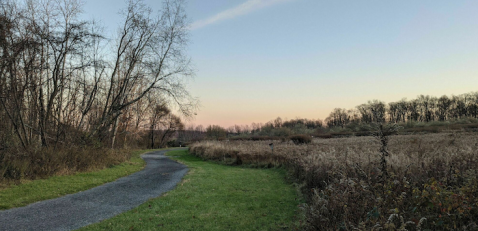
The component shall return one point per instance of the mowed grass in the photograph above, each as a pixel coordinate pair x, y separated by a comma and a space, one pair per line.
215, 197
56, 186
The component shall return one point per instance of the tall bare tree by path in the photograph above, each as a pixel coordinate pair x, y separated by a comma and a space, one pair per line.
150, 56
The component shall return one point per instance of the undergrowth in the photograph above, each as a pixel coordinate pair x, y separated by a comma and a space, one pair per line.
18, 165
30, 191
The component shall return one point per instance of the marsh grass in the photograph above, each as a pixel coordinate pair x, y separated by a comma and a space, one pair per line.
432, 182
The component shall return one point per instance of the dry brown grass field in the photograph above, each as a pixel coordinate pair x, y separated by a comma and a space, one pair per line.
430, 181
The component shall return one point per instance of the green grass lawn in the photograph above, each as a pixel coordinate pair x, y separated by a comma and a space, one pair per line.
38, 190
215, 197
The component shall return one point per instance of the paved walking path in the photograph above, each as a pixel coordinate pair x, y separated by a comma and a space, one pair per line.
80, 209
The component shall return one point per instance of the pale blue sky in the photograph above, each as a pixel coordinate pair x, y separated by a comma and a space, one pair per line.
260, 59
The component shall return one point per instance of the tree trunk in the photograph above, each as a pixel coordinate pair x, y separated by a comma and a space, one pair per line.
152, 137
115, 129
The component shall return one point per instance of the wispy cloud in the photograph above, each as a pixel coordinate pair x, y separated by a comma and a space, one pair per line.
244, 8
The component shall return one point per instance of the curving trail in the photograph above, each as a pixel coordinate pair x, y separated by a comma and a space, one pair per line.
80, 209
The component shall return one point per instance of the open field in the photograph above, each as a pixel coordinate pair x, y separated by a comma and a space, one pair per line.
56, 186
429, 182
215, 197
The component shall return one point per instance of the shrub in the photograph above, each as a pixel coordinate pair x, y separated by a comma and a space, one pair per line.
301, 139
44, 162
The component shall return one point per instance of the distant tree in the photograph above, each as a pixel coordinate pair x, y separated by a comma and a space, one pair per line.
238, 129
246, 129
377, 109
231, 130
158, 115
278, 122
426, 105
393, 111
413, 107
402, 110
338, 118
216, 132
473, 107
191, 133
256, 127
443, 105
372, 112
170, 126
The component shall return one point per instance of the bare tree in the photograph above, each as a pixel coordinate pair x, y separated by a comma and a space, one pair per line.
278, 122
216, 132
338, 118
149, 57
158, 114
171, 125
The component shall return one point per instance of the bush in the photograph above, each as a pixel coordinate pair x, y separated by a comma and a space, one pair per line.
301, 139
16, 165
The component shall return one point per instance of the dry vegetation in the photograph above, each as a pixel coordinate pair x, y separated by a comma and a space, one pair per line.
17, 165
429, 182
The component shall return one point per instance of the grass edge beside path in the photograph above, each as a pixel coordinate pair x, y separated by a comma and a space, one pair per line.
57, 186
212, 196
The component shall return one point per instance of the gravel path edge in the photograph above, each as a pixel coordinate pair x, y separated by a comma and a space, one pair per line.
74, 211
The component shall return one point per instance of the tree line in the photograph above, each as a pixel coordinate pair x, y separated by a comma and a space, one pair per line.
422, 109
62, 81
